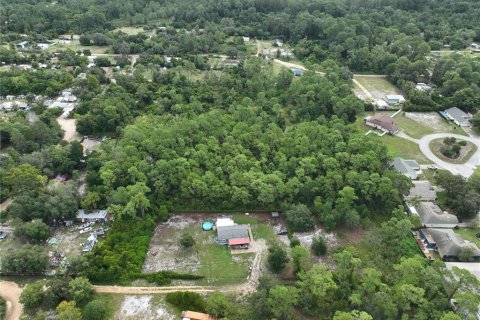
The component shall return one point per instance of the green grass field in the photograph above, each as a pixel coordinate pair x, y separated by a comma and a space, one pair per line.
377, 86
413, 128
469, 234
130, 30
436, 144
75, 45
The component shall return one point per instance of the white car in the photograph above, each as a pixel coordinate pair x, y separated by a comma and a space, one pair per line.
432, 167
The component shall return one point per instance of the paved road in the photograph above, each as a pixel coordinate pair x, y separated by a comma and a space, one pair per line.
466, 169
10, 291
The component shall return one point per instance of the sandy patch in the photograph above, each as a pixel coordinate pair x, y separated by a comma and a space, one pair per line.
430, 119
70, 128
143, 307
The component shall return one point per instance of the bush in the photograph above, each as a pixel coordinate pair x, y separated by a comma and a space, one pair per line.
186, 240
299, 218
3, 308
94, 310
186, 301
32, 296
277, 258
163, 278
26, 259
319, 246
122, 253
294, 242
35, 231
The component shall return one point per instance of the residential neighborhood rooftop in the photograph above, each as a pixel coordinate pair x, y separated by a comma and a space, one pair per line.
458, 116
382, 122
407, 167
431, 215
450, 244
422, 190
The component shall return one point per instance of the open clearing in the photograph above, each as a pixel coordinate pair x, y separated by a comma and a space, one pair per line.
378, 86
145, 307
130, 30
419, 124
75, 46
206, 258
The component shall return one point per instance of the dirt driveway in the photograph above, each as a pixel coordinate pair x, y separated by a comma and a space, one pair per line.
10, 291
70, 128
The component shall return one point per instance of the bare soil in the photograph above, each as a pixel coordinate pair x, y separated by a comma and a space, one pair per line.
10, 291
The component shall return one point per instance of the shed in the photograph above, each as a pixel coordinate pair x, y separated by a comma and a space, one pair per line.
380, 104
394, 99
275, 215
21, 45
97, 215
223, 222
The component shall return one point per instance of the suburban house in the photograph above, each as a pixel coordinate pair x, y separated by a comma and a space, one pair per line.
393, 99
448, 244
21, 45
458, 116
382, 122
432, 216
422, 190
192, 315
234, 236
97, 215
409, 168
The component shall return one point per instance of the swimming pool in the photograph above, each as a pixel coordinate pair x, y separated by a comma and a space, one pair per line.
207, 225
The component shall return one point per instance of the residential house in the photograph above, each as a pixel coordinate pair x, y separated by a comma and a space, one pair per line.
97, 215
10, 105
21, 45
393, 99
382, 122
449, 244
238, 231
192, 315
409, 168
458, 116
431, 216
423, 191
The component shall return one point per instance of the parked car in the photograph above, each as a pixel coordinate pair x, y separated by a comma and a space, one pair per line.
432, 167
3, 235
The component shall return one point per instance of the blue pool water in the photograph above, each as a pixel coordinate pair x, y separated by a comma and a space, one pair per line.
207, 225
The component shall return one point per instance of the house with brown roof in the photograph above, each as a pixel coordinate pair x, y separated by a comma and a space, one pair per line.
192, 315
382, 122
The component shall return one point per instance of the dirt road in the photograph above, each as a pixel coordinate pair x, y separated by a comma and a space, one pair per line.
70, 128
150, 290
11, 293
5, 204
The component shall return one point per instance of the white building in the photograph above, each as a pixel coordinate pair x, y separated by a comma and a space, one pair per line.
224, 222
393, 99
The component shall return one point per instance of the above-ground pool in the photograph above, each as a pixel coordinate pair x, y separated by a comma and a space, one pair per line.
207, 225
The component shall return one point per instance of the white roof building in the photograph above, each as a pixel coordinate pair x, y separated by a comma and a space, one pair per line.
224, 222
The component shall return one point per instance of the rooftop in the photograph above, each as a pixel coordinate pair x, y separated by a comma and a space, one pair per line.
232, 232
98, 214
458, 114
430, 213
422, 190
383, 121
451, 244
405, 166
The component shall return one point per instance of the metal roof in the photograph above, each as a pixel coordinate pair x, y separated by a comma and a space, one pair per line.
232, 232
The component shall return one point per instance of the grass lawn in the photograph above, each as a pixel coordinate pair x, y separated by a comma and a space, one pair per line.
465, 154
377, 86
112, 301
398, 147
75, 45
469, 234
477, 171
413, 128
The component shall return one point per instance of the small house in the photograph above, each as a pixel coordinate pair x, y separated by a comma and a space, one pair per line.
422, 190
192, 315
238, 231
382, 122
393, 99
459, 117
431, 216
94, 216
21, 45
246, 39
409, 168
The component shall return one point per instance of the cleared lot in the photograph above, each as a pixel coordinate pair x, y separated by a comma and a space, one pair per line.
378, 86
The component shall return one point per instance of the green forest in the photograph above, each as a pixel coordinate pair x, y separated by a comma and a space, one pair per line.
191, 115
